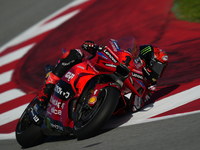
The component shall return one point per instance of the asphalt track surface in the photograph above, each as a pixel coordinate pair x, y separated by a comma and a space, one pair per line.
176, 133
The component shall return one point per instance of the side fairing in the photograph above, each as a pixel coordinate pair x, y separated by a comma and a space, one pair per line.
57, 111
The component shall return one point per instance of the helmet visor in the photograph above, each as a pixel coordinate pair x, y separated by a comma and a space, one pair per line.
157, 67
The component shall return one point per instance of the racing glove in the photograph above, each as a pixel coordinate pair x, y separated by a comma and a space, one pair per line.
90, 47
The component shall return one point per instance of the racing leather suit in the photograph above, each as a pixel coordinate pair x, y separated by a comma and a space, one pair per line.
138, 102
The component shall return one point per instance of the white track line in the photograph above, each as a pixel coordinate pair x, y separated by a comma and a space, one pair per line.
139, 117
170, 103
10, 57
7, 136
170, 116
10, 95
37, 30
12, 115
158, 107
34, 29
5, 77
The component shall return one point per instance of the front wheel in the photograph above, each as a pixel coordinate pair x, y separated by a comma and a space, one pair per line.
89, 120
27, 133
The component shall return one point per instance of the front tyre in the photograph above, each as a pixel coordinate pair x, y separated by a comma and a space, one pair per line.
89, 120
27, 133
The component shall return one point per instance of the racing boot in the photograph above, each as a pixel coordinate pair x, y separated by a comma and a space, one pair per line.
45, 94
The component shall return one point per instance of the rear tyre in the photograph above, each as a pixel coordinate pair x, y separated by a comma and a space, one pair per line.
89, 120
27, 133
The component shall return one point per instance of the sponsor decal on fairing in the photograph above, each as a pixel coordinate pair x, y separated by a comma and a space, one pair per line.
69, 75
81, 67
59, 90
56, 111
66, 64
102, 55
116, 45
56, 102
35, 117
56, 126
135, 75
110, 56
111, 65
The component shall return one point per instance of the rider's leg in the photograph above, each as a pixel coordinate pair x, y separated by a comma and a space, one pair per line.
68, 60
138, 102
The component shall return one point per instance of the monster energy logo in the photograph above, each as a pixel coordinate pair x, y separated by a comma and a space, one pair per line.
145, 50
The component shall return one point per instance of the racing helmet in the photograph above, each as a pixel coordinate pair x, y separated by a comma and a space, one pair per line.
154, 61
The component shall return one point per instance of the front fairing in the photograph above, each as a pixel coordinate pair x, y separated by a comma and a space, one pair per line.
125, 48
118, 52
57, 114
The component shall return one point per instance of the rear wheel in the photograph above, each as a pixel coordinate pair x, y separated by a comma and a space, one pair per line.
27, 133
89, 120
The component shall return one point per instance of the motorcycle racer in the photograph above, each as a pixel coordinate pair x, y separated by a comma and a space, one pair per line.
151, 60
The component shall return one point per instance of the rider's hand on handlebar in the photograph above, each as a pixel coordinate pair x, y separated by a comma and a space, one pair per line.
91, 47
88, 45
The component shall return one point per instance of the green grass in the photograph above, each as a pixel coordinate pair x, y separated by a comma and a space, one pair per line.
188, 10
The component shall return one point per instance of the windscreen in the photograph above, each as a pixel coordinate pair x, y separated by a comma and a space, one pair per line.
129, 44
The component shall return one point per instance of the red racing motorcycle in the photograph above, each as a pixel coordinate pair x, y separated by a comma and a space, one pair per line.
85, 97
